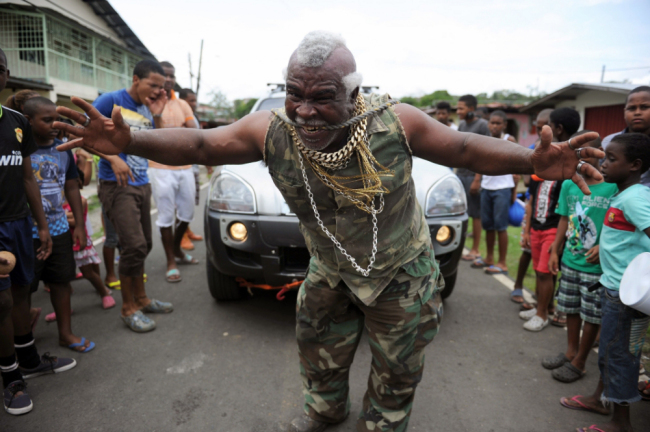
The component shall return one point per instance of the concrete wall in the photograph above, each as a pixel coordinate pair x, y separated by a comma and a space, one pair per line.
82, 10
592, 98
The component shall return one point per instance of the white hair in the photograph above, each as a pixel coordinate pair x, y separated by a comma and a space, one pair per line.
316, 47
352, 81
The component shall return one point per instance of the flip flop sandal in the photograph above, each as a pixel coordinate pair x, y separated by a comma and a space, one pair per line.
642, 391
519, 292
551, 363
581, 407
81, 344
470, 257
187, 259
173, 272
479, 263
494, 270
568, 373
590, 428
114, 285
559, 319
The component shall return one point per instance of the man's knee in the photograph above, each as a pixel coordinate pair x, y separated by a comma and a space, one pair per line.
6, 304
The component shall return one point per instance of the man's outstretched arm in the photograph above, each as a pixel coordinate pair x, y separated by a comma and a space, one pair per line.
238, 143
437, 143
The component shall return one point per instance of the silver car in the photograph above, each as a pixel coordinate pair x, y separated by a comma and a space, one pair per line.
253, 238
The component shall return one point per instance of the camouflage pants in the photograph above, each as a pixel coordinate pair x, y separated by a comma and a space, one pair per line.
400, 323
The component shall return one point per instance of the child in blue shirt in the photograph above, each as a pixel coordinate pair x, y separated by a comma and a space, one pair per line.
56, 175
625, 234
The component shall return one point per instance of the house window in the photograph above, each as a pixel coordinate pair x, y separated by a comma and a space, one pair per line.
30, 39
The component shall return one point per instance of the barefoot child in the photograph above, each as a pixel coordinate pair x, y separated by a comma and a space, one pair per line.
579, 233
56, 176
626, 234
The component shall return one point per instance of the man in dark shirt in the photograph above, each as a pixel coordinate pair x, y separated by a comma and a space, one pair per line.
472, 123
17, 188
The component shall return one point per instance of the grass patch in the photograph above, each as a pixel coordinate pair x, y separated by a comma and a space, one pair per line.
93, 203
98, 234
512, 259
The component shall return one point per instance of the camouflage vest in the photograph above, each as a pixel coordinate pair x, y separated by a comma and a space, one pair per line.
403, 242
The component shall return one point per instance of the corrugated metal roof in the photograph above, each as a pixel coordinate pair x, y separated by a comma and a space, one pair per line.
572, 91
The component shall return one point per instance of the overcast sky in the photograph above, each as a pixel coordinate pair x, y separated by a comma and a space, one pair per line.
410, 47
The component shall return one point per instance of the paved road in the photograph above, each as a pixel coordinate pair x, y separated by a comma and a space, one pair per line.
233, 367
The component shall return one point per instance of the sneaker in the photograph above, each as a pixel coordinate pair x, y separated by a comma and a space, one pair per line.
156, 306
139, 322
17, 404
526, 315
49, 364
535, 324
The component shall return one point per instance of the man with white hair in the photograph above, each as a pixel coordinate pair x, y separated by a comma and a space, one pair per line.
342, 162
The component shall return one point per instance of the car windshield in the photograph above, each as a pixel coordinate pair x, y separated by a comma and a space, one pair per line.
270, 103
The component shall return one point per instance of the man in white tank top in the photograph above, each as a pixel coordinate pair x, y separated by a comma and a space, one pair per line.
497, 194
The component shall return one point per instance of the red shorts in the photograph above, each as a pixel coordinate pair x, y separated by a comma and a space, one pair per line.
540, 243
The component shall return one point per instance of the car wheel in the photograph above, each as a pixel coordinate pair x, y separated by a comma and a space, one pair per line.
450, 282
222, 287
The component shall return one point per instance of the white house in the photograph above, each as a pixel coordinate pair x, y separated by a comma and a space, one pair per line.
68, 47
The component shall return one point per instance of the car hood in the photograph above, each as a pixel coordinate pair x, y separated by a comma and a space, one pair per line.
270, 201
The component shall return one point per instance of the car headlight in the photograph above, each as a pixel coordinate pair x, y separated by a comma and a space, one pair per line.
229, 193
446, 198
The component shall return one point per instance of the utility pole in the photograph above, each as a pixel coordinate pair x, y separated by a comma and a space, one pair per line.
198, 78
602, 75
189, 58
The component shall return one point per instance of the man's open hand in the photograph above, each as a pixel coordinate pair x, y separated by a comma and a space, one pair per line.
109, 136
556, 161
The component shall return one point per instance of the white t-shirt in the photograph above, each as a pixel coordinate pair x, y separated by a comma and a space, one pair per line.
498, 182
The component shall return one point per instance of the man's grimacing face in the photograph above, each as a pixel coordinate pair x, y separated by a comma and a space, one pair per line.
316, 97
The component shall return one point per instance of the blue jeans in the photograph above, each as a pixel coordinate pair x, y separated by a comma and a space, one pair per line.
495, 205
622, 335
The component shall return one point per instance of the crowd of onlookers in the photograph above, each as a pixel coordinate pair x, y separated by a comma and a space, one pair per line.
42, 184
587, 240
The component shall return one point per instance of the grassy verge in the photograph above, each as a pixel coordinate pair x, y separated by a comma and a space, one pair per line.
93, 203
98, 234
512, 259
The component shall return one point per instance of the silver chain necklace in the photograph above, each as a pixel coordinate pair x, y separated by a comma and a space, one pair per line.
371, 210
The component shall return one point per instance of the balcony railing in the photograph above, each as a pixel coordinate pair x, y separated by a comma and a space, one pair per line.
41, 47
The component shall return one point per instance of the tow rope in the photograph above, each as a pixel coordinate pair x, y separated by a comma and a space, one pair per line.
280, 295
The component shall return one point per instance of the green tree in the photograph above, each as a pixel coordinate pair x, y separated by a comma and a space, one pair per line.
410, 100
243, 107
221, 104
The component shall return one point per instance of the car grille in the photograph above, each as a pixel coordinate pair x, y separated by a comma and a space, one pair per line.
295, 259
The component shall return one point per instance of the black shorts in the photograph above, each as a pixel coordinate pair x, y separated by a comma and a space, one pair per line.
58, 268
16, 237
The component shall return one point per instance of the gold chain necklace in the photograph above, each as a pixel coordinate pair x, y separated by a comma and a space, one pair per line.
358, 143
